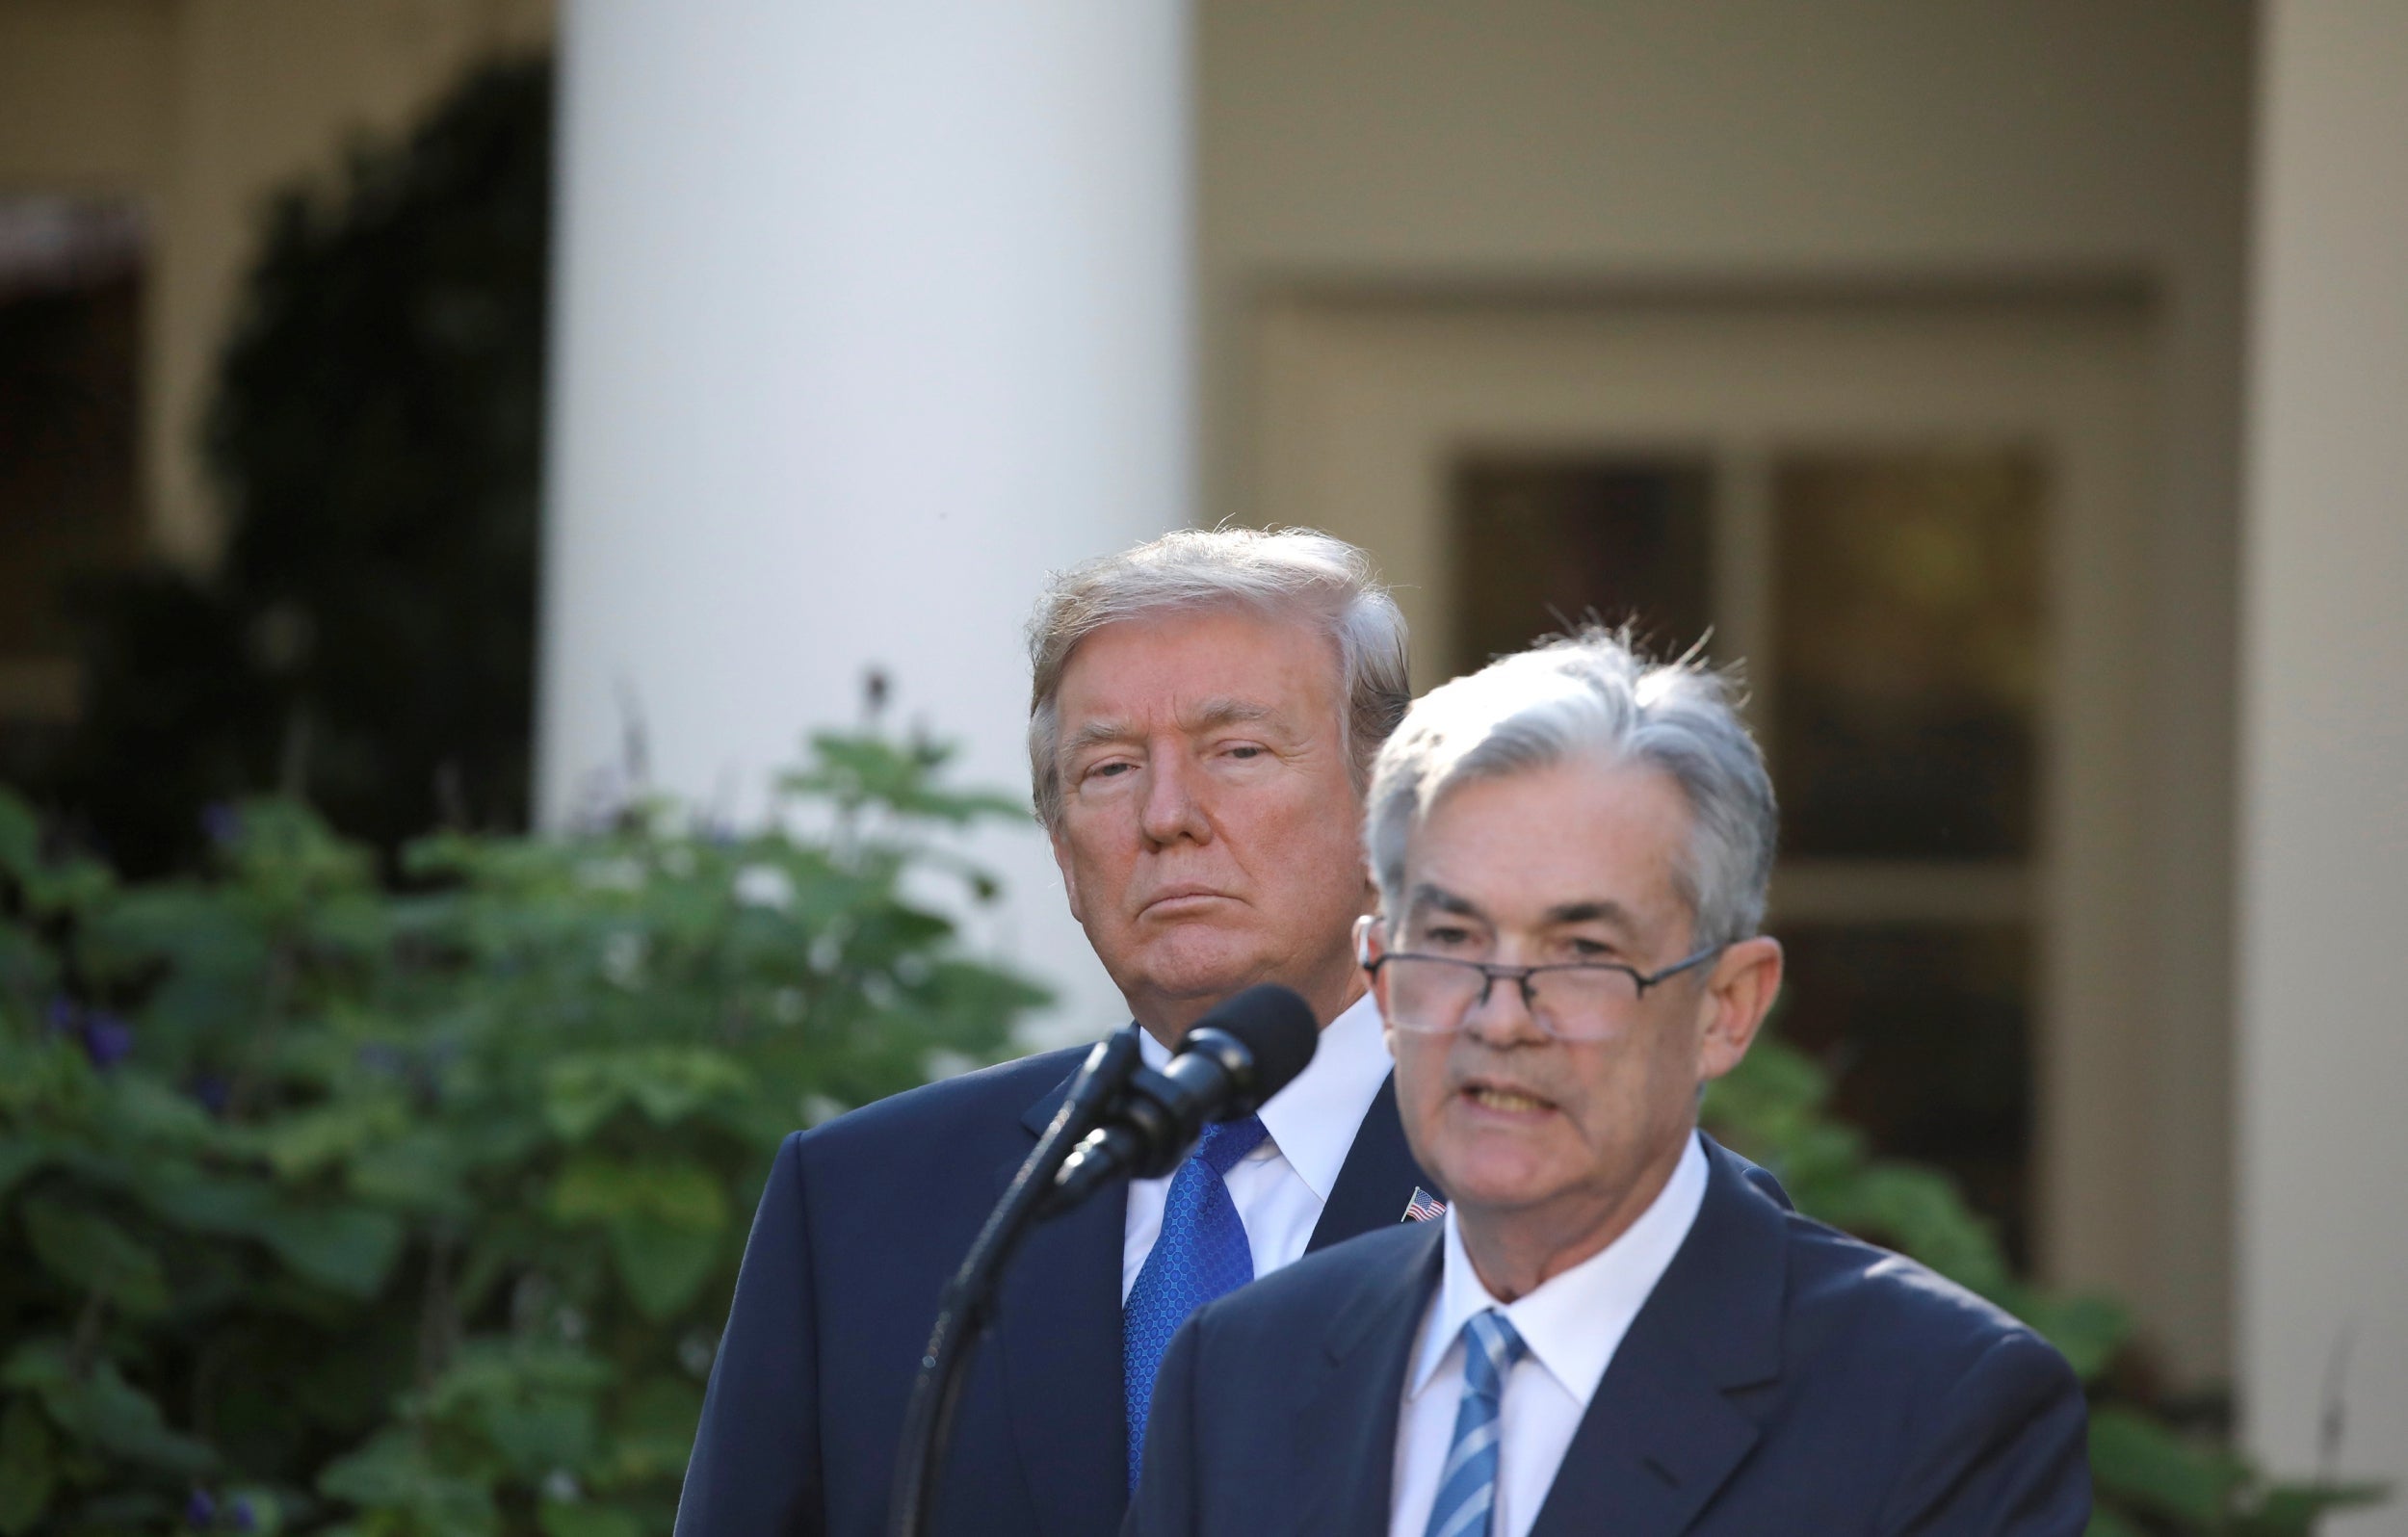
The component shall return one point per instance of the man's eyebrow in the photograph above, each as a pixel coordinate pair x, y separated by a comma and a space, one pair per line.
1206, 716
1426, 897
1611, 914
1223, 712
1097, 732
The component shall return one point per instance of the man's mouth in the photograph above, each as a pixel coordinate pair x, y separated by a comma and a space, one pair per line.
1504, 1099
1179, 895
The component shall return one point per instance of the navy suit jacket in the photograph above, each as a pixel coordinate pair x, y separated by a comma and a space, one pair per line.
863, 1221
1783, 1379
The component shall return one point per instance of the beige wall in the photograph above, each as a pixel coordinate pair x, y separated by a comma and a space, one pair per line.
201, 109
1572, 147
1585, 146
2324, 803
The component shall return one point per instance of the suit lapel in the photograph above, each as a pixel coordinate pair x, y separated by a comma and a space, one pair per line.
1378, 1179
1057, 1332
1662, 1435
1653, 1447
1345, 1432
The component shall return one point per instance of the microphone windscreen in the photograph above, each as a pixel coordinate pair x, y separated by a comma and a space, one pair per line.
1275, 1025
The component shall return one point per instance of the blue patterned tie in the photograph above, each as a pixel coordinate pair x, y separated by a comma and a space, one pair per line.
1467, 1486
1200, 1253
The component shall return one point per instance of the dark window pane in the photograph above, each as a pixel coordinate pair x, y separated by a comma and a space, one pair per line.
1541, 543
69, 507
68, 498
1909, 646
1925, 1030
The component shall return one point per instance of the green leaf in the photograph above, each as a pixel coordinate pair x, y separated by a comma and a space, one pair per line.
855, 770
19, 1156
674, 1082
2143, 1464
344, 1248
20, 837
267, 1509
652, 1434
151, 1109
562, 1518
666, 1221
392, 1473
2088, 1330
579, 1095
2107, 1524
96, 1254
663, 1266
542, 1431
348, 1249
534, 1405
421, 1172
99, 1406
678, 1192
123, 1511
299, 1145
27, 1471
667, 1083
71, 887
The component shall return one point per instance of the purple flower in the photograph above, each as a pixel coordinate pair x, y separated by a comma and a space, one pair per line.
222, 824
212, 1090
201, 1511
378, 1057
62, 1016
107, 1038
242, 1518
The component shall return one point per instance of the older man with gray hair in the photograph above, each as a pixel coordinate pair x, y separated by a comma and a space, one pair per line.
1203, 717
1614, 1329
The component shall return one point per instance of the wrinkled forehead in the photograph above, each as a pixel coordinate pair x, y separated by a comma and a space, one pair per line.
1202, 664
1529, 846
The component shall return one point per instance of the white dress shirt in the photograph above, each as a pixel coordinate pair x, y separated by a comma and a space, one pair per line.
1280, 1187
1572, 1323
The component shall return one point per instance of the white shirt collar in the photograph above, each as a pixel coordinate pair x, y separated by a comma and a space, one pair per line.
1312, 1121
1573, 1323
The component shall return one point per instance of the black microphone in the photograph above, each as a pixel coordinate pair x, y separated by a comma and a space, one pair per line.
1239, 1055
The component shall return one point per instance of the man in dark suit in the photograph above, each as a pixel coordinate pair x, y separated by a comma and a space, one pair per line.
1612, 1330
1204, 714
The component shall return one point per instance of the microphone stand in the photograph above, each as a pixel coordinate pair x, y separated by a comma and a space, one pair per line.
968, 1305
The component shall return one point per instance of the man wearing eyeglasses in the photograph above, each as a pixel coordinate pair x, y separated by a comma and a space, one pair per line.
1614, 1329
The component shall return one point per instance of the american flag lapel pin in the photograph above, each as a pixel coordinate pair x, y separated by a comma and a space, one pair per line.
1423, 1207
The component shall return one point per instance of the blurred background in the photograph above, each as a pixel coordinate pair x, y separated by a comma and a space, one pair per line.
474, 415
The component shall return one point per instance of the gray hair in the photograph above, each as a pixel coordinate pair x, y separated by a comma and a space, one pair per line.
1295, 573
1590, 697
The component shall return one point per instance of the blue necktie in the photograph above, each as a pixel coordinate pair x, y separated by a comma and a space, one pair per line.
1200, 1253
1467, 1486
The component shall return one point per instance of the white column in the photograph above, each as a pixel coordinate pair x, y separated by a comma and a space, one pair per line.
2322, 1081
868, 314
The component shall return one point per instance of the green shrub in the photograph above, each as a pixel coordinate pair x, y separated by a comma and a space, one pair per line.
327, 1208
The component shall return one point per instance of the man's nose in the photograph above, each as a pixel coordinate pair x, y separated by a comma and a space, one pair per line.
1503, 1017
1172, 813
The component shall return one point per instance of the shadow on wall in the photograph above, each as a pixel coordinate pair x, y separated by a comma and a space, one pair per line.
367, 642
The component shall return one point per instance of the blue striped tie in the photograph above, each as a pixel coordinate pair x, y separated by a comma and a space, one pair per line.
1467, 1486
1200, 1253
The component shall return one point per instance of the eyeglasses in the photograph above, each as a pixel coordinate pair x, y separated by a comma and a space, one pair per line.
1570, 1000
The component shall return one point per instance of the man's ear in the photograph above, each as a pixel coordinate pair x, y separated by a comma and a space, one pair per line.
1369, 941
1739, 994
1069, 873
